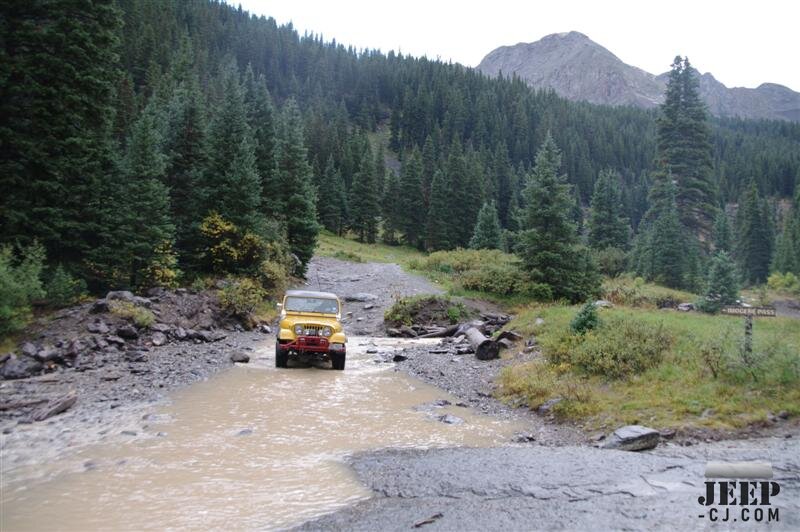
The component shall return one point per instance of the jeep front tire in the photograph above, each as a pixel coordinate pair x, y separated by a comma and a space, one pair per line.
337, 360
281, 357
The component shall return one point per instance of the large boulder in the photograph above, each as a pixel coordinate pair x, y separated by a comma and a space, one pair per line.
20, 367
128, 332
633, 438
361, 297
242, 358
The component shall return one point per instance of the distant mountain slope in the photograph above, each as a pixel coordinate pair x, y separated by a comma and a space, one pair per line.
578, 68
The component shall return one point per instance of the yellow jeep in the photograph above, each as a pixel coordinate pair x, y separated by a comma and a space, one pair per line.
310, 328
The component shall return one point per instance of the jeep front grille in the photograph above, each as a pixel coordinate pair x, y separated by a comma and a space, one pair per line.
312, 330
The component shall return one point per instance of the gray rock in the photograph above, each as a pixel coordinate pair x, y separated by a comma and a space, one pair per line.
142, 301
399, 358
602, 303
20, 367
512, 336
548, 405
408, 332
99, 307
49, 354
539, 321
361, 297
245, 432
159, 338
393, 332
116, 340
685, 307
264, 328
161, 327
121, 295
180, 333
369, 306
135, 356
242, 358
450, 419
98, 327
129, 332
74, 348
29, 350
633, 438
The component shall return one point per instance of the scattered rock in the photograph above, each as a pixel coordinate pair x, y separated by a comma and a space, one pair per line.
128, 433
180, 333
99, 307
243, 358
667, 434
408, 332
20, 367
450, 419
116, 340
48, 354
548, 405
685, 307
399, 358
28, 349
524, 437
361, 297
539, 321
161, 327
158, 338
128, 332
783, 414
98, 327
439, 403
512, 336
707, 413
264, 328
369, 307
245, 432
393, 332
120, 295
633, 438
372, 351
135, 356
602, 303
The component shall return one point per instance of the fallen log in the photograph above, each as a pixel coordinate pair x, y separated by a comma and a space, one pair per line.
485, 349
441, 333
61, 404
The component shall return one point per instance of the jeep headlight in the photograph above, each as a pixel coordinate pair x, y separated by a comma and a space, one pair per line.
298, 329
327, 331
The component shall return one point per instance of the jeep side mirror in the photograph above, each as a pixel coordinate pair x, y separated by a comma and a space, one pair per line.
279, 305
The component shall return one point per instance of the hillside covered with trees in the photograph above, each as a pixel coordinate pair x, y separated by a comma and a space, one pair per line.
147, 142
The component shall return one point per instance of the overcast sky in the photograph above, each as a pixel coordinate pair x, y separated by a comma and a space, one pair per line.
743, 43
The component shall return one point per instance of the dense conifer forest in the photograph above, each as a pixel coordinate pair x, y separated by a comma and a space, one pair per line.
147, 142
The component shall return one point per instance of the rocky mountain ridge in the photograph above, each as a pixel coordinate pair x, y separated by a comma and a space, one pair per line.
579, 69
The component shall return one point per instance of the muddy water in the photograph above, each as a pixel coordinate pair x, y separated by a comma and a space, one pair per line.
255, 447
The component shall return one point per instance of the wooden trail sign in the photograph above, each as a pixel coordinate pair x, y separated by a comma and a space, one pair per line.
750, 311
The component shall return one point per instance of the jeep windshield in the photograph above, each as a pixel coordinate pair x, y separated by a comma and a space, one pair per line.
311, 304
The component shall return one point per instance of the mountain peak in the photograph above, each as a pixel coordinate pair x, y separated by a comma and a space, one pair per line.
580, 69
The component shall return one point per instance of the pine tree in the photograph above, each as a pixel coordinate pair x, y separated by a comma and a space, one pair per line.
684, 149
787, 246
232, 183
754, 237
137, 218
437, 232
487, 233
607, 227
297, 199
391, 209
186, 146
411, 200
722, 232
332, 202
262, 121
548, 244
721, 287
662, 249
58, 66
365, 201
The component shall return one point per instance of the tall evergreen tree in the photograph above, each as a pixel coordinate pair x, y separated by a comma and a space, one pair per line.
332, 202
411, 200
549, 243
684, 149
58, 66
137, 217
438, 234
392, 214
721, 287
365, 201
487, 233
754, 236
297, 199
232, 183
787, 247
607, 226
722, 232
262, 121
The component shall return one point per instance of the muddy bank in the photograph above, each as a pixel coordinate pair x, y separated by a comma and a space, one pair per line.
545, 488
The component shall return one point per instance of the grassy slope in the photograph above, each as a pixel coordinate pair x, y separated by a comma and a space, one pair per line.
681, 389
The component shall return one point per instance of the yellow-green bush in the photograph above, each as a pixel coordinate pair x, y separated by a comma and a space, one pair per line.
618, 348
784, 282
140, 316
163, 268
19, 286
241, 297
635, 292
426, 309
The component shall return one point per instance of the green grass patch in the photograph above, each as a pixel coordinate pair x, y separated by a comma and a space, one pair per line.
663, 368
426, 310
635, 292
331, 245
139, 316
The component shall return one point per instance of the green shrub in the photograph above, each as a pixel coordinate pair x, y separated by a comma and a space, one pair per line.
585, 320
784, 282
630, 291
617, 348
140, 316
20, 284
273, 276
500, 278
426, 309
241, 297
347, 256
62, 289
610, 261
162, 271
